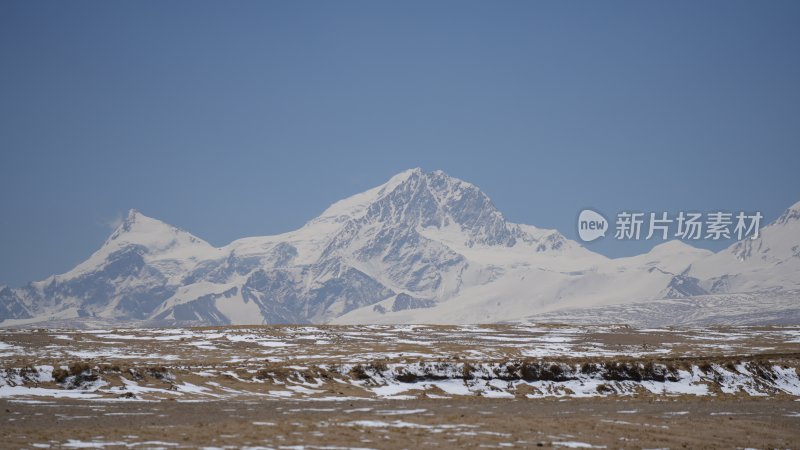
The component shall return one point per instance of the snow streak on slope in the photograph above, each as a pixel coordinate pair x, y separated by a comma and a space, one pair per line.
423, 247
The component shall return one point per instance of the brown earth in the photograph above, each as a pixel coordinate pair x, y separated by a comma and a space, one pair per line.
461, 422
243, 373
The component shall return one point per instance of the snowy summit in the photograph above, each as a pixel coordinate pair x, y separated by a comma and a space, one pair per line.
422, 247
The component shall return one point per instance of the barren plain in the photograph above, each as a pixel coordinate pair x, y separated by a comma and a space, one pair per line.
401, 387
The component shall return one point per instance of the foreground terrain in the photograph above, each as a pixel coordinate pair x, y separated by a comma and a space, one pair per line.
401, 386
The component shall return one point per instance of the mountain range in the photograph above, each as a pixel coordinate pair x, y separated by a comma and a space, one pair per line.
423, 247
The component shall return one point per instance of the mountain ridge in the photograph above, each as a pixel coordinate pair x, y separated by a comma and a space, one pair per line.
422, 247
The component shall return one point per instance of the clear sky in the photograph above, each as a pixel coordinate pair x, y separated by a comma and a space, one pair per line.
233, 119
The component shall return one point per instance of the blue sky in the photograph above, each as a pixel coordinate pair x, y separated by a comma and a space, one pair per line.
232, 119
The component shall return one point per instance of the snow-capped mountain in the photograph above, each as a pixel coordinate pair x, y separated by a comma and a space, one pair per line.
423, 247
769, 261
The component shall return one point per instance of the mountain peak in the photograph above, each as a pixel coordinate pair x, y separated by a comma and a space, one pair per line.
135, 222
356, 205
792, 214
414, 198
402, 177
155, 235
676, 246
130, 219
